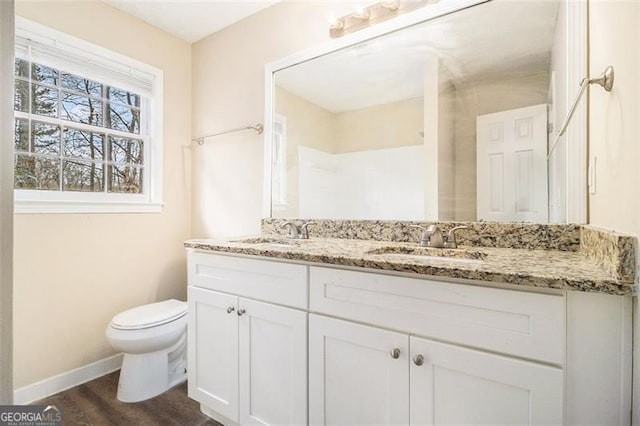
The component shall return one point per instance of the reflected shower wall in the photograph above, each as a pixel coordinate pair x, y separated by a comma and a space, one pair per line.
363, 185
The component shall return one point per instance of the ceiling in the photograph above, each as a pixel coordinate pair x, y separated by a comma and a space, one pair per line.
190, 20
499, 39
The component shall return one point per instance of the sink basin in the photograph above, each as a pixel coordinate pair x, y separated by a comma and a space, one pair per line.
455, 255
281, 242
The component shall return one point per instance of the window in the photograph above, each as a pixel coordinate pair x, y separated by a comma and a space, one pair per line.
279, 163
87, 127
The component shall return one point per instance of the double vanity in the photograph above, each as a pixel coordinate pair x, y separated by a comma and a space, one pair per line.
431, 120
359, 324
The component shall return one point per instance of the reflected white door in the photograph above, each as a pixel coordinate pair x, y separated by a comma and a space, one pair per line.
354, 378
512, 165
451, 385
273, 364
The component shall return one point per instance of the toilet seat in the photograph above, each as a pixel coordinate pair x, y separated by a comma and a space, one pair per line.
148, 316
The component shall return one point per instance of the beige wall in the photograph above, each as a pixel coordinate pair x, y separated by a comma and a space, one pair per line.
390, 125
614, 118
614, 130
307, 125
228, 91
74, 272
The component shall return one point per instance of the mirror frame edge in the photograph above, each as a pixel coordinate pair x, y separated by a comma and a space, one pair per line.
576, 137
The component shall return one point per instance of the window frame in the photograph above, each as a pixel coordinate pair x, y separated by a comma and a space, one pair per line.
30, 201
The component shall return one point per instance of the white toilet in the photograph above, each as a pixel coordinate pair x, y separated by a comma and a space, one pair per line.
153, 339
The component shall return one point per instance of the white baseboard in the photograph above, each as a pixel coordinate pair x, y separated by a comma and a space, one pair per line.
64, 381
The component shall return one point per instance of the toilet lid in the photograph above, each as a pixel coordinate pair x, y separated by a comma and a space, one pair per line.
150, 315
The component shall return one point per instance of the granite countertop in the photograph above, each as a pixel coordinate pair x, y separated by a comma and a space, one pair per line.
556, 269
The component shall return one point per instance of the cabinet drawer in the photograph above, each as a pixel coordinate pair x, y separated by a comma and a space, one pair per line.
275, 282
528, 325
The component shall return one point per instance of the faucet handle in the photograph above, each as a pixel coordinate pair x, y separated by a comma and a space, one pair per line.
294, 232
304, 230
424, 236
451, 237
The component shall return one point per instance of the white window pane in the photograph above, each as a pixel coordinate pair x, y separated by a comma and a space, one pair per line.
44, 100
45, 138
82, 176
21, 96
116, 95
32, 172
81, 85
126, 150
125, 179
44, 74
83, 145
81, 109
21, 68
21, 135
123, 118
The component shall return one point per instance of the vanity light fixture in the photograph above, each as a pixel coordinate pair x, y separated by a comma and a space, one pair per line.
366, 16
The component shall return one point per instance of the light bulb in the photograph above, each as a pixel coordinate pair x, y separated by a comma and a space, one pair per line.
336, 24
392, 5
361, 13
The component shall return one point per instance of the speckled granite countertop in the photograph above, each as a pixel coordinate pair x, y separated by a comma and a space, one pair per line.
564, 270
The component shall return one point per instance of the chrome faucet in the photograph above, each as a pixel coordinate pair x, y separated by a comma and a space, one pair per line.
431, 236
294, 232
304, 230
297, 233
450, 238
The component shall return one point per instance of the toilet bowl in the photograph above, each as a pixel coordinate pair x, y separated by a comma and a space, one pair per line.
153, 339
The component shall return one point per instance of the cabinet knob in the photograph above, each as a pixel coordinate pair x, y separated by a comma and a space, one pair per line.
230, 309
240, 312
395, 353
418, 360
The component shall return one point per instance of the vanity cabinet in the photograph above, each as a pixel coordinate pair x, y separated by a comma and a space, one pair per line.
213, 351
247, 359
354, 378
366, 375
277, 342
452, 385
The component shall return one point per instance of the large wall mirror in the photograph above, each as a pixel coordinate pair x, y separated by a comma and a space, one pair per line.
446, 119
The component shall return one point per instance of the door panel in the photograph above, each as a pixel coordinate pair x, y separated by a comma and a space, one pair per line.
273, 365
213, 351
512, 165
457, 386
353, 379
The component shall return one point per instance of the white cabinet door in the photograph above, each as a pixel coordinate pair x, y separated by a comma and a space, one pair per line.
353, 377
455, 386
213, 351
273, 364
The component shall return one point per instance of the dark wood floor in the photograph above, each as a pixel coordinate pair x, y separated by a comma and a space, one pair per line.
95, 403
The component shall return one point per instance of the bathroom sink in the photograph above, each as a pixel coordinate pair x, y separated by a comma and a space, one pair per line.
454, 255
276, 242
